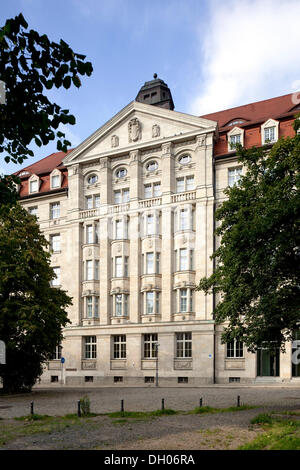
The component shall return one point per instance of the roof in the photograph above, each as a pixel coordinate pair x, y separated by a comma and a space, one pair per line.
45, 165
254, 112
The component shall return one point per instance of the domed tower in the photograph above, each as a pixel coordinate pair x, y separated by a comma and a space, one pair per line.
157, 93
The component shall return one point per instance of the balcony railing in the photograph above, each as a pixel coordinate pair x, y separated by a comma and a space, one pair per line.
156, 201
186, 196
89, 213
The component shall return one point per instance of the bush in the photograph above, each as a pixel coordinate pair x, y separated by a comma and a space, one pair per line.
85, 405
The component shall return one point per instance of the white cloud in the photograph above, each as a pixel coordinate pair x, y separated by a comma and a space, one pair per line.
250, 51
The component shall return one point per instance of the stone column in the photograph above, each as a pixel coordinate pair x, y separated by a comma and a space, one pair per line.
134, 268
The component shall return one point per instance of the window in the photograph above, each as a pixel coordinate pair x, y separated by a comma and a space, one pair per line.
269, 134
33, 210
185, 159
184, 219
121, 173
92, 202
121, 266
89, 234
56, 280
149, 302
96, 269
89, 270
119, 342
235, 349
92, 306
92, 179
150, 349
185, 300
121, 196
183, 345
57, 353
90, 347
118, 378
121, 229
269, 131
89, 378
182, 380
149, 263
234, 175
180, 185
33, 185
54, 378
152, 190
152, 166
235, 139
150, 227
157, 263
55, 210
55, 242
55, 181
121, 305
149, 380
183, 259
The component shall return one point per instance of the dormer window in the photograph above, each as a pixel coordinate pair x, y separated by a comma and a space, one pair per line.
269, 131
55, 183
92, 179
121, 173
234, 137
33, 186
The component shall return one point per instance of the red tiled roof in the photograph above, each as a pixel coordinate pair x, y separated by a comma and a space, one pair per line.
254, 112
46, 165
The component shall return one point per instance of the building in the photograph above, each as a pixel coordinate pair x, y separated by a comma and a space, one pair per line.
129, 215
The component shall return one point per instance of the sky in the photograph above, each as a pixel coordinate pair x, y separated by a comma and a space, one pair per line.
213, 54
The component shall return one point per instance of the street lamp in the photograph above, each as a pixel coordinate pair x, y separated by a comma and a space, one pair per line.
156, 351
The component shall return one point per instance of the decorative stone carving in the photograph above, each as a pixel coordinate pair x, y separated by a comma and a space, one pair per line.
150, 243
114, 141
134, 156
103, 163
183, 239
88, 365
119, 248
134, 130
155, 130
181, 365
75, 170
201, 140
90, 252
166, 148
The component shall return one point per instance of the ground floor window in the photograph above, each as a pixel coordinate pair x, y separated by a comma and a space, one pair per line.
235, 349
150, 346
120, 347
90, 347
183, 345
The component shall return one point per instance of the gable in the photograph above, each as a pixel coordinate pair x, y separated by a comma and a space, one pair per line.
138, 125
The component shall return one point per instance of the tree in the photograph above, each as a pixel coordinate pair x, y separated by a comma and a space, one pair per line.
30, 64
32, 313
257, 262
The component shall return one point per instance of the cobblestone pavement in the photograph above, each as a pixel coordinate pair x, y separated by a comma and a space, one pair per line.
60, 401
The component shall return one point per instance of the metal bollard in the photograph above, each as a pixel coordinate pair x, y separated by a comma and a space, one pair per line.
200, 402
238, 401
31, 408
162, 403
78, 409
122, 406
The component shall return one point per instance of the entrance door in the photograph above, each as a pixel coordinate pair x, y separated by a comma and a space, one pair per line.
267, 362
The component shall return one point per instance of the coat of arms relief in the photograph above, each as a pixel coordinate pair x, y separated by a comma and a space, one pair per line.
134, 130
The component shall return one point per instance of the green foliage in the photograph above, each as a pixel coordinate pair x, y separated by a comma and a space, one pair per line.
30, 64
257, 262
85, 405
263, 418
32, 313
280, 434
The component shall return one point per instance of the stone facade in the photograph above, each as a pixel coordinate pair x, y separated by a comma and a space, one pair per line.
132, 238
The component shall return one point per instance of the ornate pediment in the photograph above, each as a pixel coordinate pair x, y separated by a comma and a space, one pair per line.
138, 125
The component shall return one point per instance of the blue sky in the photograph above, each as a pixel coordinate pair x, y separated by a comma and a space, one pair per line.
213, 54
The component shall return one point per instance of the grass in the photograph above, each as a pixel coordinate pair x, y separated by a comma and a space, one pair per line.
280, 434
209, 409
38, 424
